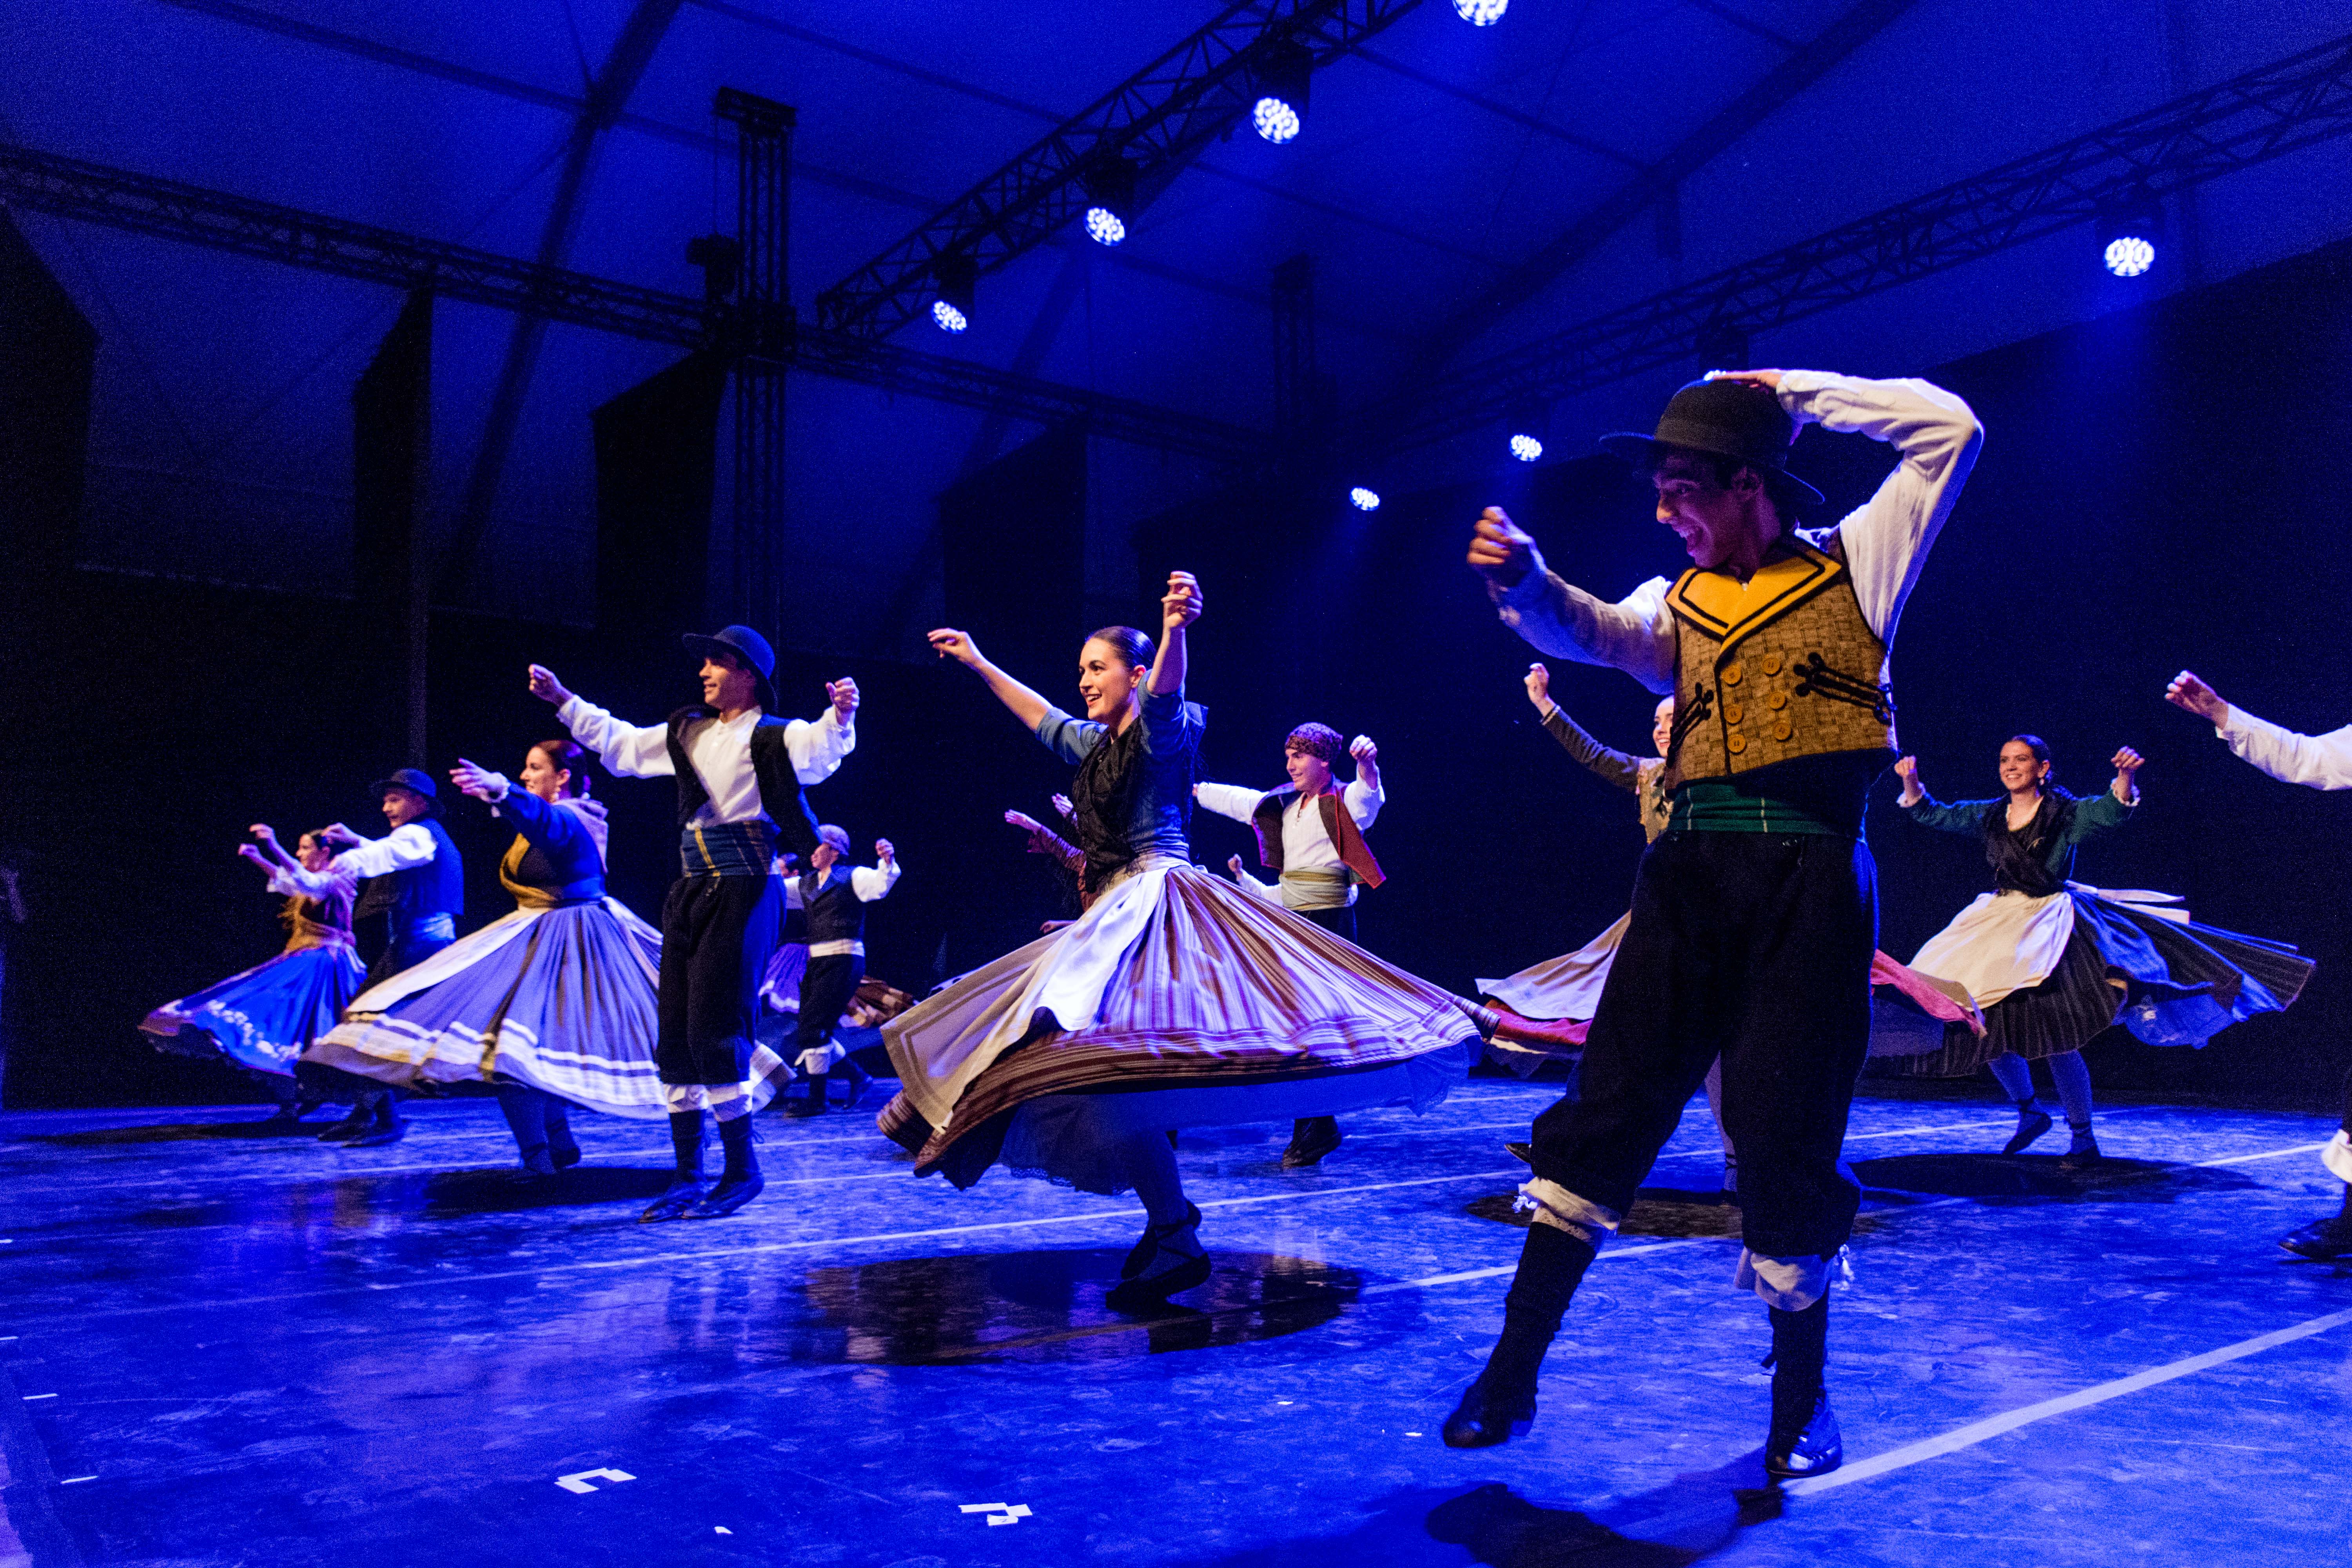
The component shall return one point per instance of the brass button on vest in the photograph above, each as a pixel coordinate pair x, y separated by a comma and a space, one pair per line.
1733, 713
1782, 730
1731, 673
1772, 664
1778, 701
1735, 745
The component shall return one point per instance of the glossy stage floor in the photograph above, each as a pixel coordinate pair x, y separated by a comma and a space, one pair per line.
227, 1346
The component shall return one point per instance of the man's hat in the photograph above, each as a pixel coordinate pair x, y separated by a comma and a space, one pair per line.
1736, 419
747, 645
407, 779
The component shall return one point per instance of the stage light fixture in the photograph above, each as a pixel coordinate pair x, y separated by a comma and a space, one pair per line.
955, 275
1363, 500
1281, 107
1109, 184
1481, 12
1526, 448
2128, 234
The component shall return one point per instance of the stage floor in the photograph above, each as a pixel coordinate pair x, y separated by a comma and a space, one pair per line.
231, 1347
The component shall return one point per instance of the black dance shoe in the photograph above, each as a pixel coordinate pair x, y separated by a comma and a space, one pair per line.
565, 1157
351, 1126
732, 1194
1816, 1450
1149, 1293
1310, 1139
1484, 1418
855, 1082
2032, 1121
681, 1195
810, 1100
2083, 1152
1139, 1256
377, 1134
1525, 1154
2322, 1238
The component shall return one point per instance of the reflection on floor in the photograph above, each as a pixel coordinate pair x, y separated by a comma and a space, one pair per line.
229, 1344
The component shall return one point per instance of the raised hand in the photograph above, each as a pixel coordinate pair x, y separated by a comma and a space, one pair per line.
1025, 823
2187, 691
1770, 380
248, 852
1363, 751
1234, 866
957, 645
1181, 605
1907, 770
546, 688
1501, 549
478, 781
2128, 762
843, 695
1538, 684
1061, 804
335, 833
263, 832
884, 852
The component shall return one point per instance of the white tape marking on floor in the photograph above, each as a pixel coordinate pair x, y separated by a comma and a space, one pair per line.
585, 1480
2265, 1155
1992, 1426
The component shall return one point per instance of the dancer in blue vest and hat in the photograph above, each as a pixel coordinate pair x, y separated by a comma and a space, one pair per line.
831, 896
414, 878
740, 775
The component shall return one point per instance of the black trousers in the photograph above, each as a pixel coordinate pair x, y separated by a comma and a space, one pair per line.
717, 934
826, 990
1340, 922
1756, 948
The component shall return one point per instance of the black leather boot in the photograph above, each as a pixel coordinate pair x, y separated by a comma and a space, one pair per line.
2032, 1121
685, 1188
738, 1180
1159, 1266
1501, 1404
1311, 1138
1804, 1439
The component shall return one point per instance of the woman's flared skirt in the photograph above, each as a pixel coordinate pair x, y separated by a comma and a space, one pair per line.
268, 1016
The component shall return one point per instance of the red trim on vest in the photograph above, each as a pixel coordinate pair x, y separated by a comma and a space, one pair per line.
1339, 827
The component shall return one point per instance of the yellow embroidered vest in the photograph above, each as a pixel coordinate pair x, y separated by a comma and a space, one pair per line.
1779, 668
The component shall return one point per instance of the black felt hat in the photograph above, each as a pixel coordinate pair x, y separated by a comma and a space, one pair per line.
1736, 419
747, 645
410, 779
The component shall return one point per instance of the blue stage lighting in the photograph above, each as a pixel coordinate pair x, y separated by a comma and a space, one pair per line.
1526, 449
1103, 227
1364, 500
2129, 255
1282, 77
950, 319
956, 275
1481, 12
1276, 121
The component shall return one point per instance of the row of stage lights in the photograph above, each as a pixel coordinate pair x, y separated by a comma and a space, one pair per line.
1278, 115
2126, 248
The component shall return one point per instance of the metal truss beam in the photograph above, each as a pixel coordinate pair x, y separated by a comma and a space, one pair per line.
93, 193
2250, 119
1158, 120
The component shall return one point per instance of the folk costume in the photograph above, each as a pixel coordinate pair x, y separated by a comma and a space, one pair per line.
2052, 963
414, 878
833, 904
263, 1018
1314, 845
740, 800
1755, 911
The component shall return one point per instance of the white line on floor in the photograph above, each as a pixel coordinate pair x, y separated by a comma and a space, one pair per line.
1992, 1426
2266, 1155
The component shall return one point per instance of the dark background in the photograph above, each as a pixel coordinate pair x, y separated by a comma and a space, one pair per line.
2163, 487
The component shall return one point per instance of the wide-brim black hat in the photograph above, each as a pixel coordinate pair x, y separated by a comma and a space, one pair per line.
410, 779
744, 644
1736, 419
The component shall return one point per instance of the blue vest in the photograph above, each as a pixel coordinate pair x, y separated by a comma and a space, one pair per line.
435, 888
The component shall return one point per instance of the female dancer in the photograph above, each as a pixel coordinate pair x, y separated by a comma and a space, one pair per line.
553, 1005
2051, 963
1217, 1007
264, 1018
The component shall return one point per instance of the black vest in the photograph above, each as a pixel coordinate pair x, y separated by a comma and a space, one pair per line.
780, 796
836, 912
435, 888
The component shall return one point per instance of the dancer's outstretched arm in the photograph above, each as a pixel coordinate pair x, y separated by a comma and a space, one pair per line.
1961, 817
1619, 768
1179, 608
1025, 704
631, 750
2321, 762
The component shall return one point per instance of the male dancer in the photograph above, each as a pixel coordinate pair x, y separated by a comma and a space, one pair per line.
740, 800
1317, 849
414, 878
1755, 913
833, 897
2321, 762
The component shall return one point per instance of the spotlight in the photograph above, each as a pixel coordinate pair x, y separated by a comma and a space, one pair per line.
2129, 255
1526, 449
1281, 104
1481, 12
1109, 182
2128, 234
1363, 500
955, 273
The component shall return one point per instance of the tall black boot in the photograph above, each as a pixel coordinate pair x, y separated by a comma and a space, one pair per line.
384, 1125
525, 1110
561, 1147
1501, 1403
739, 1182
1804, 1439
685, 1188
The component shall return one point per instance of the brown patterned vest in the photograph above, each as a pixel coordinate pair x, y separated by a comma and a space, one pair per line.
1779, 667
